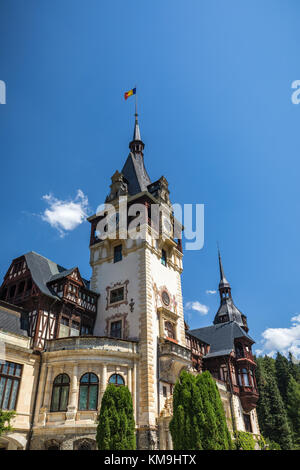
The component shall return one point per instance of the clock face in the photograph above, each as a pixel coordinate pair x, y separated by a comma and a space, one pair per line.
165, 298
167, 225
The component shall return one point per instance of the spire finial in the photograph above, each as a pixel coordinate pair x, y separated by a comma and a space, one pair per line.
136, 132
220, 265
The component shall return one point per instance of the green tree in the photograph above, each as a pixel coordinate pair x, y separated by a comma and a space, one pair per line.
244, 441
283, 375
116, 426
293, 409
272, 416
5, 419
198, 415
294, 368
217, 435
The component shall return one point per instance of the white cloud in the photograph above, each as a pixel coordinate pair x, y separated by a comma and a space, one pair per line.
212, 292
198, 307
284, 340
296, 319
65, 215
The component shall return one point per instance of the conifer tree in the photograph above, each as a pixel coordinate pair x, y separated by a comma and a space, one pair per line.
116, 426
187, 414
294, 368
293, 409
217, 436
282, 375
271, 412
198, 415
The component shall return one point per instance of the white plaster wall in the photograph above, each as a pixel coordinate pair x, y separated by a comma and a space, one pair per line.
108, 274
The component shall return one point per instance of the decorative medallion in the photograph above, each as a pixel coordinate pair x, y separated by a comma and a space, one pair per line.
165, 298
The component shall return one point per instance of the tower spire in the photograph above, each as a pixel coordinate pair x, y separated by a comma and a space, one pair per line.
136, 145
227, 310
136, 132
223, 280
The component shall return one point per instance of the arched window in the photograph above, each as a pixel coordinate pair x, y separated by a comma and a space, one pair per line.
88, 392
116, 379
60, 393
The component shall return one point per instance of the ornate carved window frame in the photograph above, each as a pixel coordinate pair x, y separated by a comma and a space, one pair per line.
118, 317
117, 285
166, 315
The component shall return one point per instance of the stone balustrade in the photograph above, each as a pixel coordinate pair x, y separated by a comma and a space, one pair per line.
92, 342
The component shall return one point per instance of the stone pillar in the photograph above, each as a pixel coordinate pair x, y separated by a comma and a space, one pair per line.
129, 379
73, 399
103, 382
134, 393
47, 396
41, 390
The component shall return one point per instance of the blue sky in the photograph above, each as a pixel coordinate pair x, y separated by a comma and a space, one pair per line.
214, 91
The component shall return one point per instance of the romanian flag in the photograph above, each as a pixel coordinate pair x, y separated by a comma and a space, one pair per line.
129, 93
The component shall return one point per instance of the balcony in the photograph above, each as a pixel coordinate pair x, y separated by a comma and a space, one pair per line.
249, 397
172, 358
96, 343
167, 349
244, 356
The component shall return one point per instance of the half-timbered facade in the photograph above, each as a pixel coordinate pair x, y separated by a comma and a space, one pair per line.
59, 301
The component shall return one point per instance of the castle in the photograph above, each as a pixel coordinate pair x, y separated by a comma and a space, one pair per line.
64, 338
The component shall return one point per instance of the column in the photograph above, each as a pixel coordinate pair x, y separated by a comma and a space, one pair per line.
41, 389
134, 385
103, 381
47, 396
129, 379
73, 400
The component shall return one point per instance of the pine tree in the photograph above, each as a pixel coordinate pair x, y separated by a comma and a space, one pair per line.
294, 368
293, 409
217, 435
187, 414
271, 412
116, 426
282, 375
198, 415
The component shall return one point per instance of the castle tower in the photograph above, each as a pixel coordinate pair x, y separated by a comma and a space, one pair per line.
139, 282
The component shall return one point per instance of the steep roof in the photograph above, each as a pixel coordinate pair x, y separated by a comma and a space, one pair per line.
43, 270
135, 173
13, 319
220, 337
